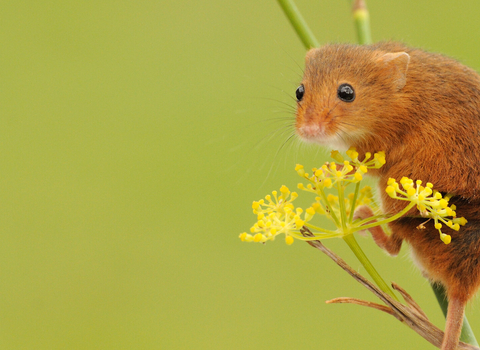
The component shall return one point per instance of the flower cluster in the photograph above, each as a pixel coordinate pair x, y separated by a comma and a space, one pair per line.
343, 172
430, 203
277, 215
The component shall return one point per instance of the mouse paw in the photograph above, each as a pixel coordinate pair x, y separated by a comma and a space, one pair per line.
363, 212
390, 243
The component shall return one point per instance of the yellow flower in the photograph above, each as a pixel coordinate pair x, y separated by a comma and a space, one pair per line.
377, 162
278, 204
430, 203
343, 172
277, 216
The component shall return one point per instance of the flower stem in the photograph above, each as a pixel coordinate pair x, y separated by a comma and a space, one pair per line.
320, 229
315, 237
299, 24
353, 244
329, 208
341, 204
359, 222
362, 22
354, 201
467, 335
386, 221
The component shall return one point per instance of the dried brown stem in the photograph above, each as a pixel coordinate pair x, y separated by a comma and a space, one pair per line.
362, 303
410, 314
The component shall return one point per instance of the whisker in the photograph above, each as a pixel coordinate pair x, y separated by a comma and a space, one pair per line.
278, 130
270, 135
279, 118
294, 99
276, 155
293, 108
296, 63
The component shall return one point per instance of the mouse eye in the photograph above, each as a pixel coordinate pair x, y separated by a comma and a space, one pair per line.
300, 92
346, 93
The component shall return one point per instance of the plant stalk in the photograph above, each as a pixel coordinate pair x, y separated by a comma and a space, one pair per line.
299, 24
357, 250
361, 18
354, 202
341, 204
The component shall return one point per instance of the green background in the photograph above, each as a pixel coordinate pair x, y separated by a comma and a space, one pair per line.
134, 137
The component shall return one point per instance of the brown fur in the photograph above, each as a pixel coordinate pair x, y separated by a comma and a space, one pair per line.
429, 127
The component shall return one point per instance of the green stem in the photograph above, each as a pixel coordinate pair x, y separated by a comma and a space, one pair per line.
353, 244
354, 201
467, 335
299, 24
359, 222
322, 230
315, 237
362, 22
386, 221
329, 208
341, 203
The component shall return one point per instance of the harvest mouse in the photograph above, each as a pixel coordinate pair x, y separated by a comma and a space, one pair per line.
423, 110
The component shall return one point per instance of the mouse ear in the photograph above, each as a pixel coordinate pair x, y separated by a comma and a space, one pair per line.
396, 64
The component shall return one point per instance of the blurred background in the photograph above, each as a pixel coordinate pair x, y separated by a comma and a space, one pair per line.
134, 137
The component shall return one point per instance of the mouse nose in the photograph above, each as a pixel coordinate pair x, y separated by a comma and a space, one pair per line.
312, 123
311, 131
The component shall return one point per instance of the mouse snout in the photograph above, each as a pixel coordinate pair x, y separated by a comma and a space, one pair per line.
311, 125
311, 131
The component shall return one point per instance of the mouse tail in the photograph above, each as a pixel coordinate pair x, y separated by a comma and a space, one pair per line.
453, 326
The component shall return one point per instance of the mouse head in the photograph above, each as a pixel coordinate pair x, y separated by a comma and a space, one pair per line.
347, 93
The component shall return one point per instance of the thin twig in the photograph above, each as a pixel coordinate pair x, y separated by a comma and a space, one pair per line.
345, 300
410, 314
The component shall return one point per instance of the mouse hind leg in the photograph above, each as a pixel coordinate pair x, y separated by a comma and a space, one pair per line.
453, 326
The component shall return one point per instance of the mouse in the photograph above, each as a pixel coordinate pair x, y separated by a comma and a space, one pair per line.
423, 110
